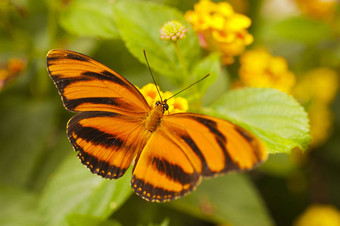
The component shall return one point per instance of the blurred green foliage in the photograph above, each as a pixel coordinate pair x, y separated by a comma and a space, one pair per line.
42, 181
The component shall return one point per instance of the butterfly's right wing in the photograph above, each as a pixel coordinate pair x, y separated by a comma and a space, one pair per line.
87, 85
214, 145
163, 171
106, 142
187, 146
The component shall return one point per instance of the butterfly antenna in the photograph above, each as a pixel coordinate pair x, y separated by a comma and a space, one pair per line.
188, 87
147, 62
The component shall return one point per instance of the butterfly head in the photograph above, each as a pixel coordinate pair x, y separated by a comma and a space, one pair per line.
163, 104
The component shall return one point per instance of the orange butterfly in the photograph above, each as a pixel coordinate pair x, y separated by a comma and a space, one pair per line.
115, 125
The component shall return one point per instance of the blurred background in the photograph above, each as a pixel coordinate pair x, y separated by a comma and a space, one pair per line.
291, 45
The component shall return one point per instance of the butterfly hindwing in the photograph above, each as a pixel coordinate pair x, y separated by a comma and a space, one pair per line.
163, 172
106, 142
87, 85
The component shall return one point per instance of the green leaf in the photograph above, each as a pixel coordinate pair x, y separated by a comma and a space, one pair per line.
89, 18
85, 220
280, 165
25, 128
208, 65
74, 190
139, 24
303, 30
230, 199
58, 150
165, 222
217, 88
273, 116
18, 207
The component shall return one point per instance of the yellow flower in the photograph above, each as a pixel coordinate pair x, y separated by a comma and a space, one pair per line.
319, 215
220, 29
321, 123
4, 75
316, 90
320, 84
176, 104
318, 8
260, 69
9, 71
173, 30
150, 94
15, 65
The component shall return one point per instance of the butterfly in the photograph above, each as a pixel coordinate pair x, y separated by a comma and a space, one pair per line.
115, 126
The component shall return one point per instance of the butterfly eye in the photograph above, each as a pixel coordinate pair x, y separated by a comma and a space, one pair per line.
157, 103
165, 107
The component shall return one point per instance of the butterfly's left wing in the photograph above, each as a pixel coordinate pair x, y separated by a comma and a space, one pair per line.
87, 85
106, 142
108, 131
187, 146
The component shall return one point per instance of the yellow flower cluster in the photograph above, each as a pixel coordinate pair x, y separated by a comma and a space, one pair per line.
319, 215
220, 29
316, 90
176, 104
318, 8
260, 69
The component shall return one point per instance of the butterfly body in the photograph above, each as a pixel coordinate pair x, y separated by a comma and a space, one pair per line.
115, 125
156, 115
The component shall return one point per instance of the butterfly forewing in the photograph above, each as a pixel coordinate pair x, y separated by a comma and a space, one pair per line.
214, 145
87, 85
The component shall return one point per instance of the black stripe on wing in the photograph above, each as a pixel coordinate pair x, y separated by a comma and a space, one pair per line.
173, 172
221, 140
68, 55
108, 102
192, 144
106, 75
72, 104
98, 167
153, 193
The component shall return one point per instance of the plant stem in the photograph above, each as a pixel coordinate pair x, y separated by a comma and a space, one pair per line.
195, 95
182, 63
